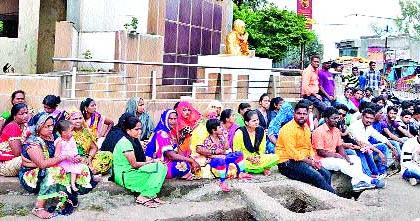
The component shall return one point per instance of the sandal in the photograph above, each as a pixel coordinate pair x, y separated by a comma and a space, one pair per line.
158, 201
149, 203
42, 213
245, 176
224, 187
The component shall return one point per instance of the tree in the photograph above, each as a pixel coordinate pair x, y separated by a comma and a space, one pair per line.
273, 32
254, 4
409, 22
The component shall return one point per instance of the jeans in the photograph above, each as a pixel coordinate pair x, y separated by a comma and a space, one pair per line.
411, 173
301, 171
368, 163
319, 104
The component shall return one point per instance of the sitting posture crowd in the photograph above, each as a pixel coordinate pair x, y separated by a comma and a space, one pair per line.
59, 154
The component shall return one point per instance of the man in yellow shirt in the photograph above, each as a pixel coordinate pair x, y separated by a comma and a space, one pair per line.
295, 152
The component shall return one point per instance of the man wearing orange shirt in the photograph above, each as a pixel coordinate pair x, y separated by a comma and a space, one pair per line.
310, 84
327, 142
295, 152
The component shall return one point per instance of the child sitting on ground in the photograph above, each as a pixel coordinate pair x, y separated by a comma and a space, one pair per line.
65, 145
216, 149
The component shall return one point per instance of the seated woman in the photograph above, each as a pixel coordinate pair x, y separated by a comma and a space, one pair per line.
216, 106
115, 134
216, 153
11, 138
163, 145
94, 120
251, 141
135, 106
284, 115
18, 97
188, 118
99, 161
40, 174
229, 126
239, 116
132, 170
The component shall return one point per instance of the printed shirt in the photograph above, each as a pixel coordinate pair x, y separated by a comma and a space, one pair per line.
294, 142
373, 79
325, 138
326, 80
310, 83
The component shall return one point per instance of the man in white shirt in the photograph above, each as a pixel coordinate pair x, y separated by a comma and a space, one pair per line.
361, 130
410, 160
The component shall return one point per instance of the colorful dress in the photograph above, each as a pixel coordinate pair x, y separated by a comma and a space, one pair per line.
69, 148
185, 127
161, 142
95, 124
232, 165
230, 133
102, 161
9, 164
284, 116
252, 146
53, 181
146, 180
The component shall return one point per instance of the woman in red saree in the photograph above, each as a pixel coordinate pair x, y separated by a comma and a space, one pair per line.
188, 118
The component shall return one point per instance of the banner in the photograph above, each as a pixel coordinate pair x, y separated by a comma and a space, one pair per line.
304, 8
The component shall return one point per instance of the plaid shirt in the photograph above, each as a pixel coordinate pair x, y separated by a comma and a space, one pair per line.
373, 79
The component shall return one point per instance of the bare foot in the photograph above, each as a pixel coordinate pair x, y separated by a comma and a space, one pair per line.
149, 203
224, 187
267, 172
42, 213
74, 188
159, 201
245, 176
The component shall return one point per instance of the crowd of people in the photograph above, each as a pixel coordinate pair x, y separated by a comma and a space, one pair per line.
59, 154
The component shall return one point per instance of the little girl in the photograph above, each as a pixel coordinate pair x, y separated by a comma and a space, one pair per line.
66, 146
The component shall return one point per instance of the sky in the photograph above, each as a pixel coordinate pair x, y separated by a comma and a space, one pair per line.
334, 20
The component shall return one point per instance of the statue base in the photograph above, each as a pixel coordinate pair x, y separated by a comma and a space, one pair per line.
238, 78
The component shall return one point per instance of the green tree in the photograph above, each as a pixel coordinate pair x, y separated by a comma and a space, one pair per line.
409, 22
254, 4
273, 32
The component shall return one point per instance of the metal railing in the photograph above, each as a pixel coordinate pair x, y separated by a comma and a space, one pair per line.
225, 86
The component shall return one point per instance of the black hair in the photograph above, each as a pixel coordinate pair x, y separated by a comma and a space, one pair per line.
129, 123
243, 106
176, 105
416, 110
303, 104
262, 97
17, 92
248, 114
275, 101
357, 89
315, 56
369, 89
392, 108
226, 113
376, 108
62, 125
122, 119
13, 112
329, 111
371, 62
365, 105
84, 104
378, 98
405, 113
368, 111
348, 88
406, 104
343, 107
212, 124
354, 68
51, 101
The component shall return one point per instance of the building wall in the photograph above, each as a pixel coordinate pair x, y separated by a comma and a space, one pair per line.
101, 45
21, 52
50, 12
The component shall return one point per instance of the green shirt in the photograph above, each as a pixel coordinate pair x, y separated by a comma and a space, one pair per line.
6, 115
121, 163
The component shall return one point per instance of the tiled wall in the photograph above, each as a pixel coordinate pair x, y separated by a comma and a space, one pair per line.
192, 28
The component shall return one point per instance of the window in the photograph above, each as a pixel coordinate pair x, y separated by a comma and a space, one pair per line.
9, 18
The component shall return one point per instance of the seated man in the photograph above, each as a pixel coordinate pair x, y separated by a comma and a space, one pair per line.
391, 128
310, 84
404, 122
361, 130
410, 160
295, 152
329, 145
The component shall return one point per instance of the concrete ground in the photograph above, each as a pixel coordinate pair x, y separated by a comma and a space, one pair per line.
264, 198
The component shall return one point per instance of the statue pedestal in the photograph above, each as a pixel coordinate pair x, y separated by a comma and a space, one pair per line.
235, 84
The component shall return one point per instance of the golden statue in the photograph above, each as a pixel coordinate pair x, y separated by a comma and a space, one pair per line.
237, 40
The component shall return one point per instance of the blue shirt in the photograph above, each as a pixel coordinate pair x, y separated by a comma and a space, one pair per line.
373, 79
362, 82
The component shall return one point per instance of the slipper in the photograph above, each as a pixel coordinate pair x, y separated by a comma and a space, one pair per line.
245, 176
35, 212
195, 177
149, 203
158, 201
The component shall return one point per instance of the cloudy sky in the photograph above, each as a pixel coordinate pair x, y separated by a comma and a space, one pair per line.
335, 19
